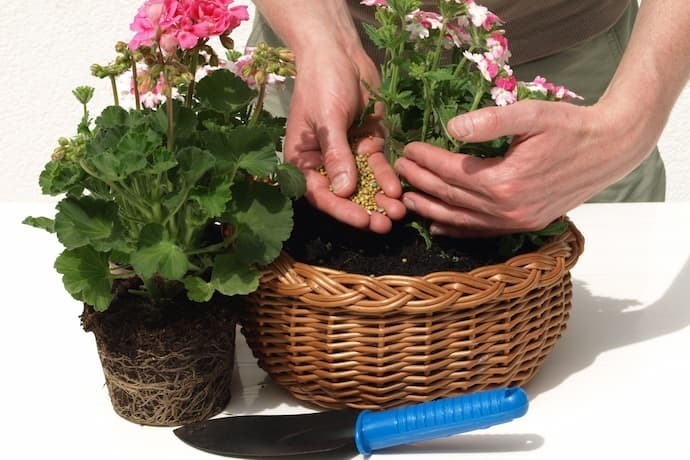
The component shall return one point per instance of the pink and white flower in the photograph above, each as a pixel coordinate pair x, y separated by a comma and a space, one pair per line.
541, 86
505, 91
381, 3
498, 47
419, 23
457, 34
481, 16
488, 68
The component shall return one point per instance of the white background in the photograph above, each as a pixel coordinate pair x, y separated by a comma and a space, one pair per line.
47, 49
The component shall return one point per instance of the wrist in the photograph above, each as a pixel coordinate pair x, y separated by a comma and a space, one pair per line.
307, 25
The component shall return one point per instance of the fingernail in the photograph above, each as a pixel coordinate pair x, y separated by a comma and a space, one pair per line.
409, 204
460, 127
339, 182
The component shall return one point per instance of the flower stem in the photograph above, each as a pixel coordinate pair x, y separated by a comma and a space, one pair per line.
137, 101
169, 111
193, 58
258, 106
113, 85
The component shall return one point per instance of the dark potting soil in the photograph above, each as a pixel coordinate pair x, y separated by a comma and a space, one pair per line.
318, 239
132, 322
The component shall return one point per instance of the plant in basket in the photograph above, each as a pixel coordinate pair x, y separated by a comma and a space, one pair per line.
377, 320
171, 207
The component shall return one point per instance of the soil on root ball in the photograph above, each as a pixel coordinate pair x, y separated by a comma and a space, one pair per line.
165, 365
318, 239
132, 323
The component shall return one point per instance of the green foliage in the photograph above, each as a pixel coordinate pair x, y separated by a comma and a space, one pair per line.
431, 73
199, 208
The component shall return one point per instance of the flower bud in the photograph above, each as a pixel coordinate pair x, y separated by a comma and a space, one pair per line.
97, 71
121, 47
58, 154
260, 77
83, 93
227, 42
286, 55
63, 141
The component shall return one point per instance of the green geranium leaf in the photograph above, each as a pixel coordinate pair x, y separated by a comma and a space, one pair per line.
262, 219
160, 160
232, 276
87, 221
261, 162
164, 258
86, 276
553, 229
104, 140
250, 146
184, 121
61, 177
41, 222
112, 116
192, 164
224, 92
213, 199
291, 180
129, 155
198, 290
151, 234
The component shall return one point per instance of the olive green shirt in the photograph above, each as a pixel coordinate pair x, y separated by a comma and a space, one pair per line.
535, 28
569, 47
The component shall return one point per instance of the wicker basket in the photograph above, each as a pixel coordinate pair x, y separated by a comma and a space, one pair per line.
338, 340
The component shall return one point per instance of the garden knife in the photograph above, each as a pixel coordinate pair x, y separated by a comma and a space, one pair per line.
363, 432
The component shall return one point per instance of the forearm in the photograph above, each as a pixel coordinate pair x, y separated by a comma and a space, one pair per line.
654, 68
308, 25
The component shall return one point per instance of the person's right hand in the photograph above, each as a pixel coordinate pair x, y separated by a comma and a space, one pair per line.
328, 98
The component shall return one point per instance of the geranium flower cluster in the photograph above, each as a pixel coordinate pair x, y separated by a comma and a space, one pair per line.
183, 23
263, 65
171, 37
441, 63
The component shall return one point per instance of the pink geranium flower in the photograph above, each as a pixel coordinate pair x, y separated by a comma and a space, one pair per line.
184, 23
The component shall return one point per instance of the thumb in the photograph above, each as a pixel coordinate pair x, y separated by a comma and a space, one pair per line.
338, 160
493, 122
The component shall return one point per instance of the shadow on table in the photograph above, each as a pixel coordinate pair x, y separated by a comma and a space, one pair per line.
598, 324
467, 443
472, 443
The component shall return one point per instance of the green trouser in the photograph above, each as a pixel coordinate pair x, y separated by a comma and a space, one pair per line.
586, 69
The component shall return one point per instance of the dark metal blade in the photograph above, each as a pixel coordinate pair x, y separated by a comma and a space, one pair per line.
273, 435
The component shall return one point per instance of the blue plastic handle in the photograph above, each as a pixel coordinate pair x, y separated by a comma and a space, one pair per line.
437, 419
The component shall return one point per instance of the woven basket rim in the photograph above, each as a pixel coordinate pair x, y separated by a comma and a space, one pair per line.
326, 288
568, 246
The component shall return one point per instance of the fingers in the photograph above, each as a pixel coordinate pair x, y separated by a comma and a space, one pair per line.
320, 196
455, 221
433, 170
337, 157
493, 122
384, 174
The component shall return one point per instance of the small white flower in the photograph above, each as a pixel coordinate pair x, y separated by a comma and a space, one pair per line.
478, 14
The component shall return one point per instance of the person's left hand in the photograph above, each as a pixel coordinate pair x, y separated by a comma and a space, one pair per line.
561, 155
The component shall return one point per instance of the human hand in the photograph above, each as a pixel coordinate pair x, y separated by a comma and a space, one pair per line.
328, 98
561, 155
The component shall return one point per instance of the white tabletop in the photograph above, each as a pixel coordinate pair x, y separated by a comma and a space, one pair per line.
615, 386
